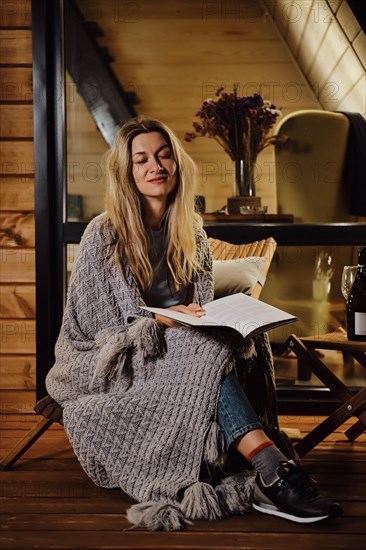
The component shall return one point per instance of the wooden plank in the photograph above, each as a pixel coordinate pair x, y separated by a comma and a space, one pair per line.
16, 194
84, 492
17, 265
170, 12
65, 465
16, 121
41, 452
115, 502
174, 53
306, 422
336, 455
359, 45
339, 446
320, 466
16, 13
45, 447
16, 84
316, 468
9, 422
18, 336
17, 372
327, 481
17, 230
15, 47
271, 79
354, 97
157, 541
19, 402
18, 301
335, 41
351, 486
117, 521
16, 158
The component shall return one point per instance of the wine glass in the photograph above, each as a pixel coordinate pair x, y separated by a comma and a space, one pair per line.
348, 277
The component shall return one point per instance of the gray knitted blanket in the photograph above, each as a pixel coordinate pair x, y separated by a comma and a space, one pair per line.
139, 399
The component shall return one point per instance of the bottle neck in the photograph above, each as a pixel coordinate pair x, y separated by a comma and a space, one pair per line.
362, 256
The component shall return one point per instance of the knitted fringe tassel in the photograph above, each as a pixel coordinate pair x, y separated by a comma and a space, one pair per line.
214, 450
235, 493
156, 516
200, 501
150, 336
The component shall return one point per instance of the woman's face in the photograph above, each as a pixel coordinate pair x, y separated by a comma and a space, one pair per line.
153, 166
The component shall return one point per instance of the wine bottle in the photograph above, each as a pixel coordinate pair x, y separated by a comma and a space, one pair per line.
356, 303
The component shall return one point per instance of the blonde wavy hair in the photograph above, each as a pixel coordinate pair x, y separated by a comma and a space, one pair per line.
123, 208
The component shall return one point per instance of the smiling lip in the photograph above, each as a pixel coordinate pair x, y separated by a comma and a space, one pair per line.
160, 178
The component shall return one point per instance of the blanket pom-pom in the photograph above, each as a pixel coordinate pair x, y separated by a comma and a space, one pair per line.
200, 501
156, 516
148, 333
214, 451
235, 493
116, 344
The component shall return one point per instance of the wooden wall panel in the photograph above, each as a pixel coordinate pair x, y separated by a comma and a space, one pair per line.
16, 121
16, 158
17, 402
16, 84
16, 13
17, 265
17, 230
16, 47
16, 194
17, 372
18, 336
17, 253
17, 301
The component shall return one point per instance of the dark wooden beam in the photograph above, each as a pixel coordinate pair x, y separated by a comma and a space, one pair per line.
96, 82
285, 234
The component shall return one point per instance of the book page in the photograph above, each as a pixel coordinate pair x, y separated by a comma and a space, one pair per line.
238, 311
245, 314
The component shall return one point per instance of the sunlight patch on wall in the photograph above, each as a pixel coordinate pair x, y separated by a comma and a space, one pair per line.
326, 41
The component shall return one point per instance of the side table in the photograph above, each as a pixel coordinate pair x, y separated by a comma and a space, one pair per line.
352, 404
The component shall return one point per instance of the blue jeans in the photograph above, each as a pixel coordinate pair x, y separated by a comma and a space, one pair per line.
235, 414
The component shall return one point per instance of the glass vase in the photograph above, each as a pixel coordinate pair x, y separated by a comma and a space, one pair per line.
244, 178
244, 193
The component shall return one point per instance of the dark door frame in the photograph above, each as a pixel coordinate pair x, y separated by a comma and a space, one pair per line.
49, 178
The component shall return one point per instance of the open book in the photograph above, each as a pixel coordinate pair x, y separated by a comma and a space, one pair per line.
247, 315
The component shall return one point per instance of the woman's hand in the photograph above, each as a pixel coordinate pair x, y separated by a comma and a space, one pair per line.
191, 309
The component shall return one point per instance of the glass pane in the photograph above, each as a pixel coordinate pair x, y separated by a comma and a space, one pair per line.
306, 281
71, 253
85, 150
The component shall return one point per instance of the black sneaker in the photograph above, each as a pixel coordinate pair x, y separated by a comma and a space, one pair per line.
293, 496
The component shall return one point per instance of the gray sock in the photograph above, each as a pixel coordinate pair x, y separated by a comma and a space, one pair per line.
266, 462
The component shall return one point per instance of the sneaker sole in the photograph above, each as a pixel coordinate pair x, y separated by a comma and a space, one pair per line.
273, 511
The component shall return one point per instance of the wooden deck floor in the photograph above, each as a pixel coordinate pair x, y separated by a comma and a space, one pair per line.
47, 501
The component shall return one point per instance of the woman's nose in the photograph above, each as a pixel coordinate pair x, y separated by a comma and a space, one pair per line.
156, 166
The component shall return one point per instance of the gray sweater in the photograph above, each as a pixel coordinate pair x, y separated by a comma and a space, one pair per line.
162, 292
139, 400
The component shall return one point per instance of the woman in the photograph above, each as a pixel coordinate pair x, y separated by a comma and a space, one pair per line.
154, 407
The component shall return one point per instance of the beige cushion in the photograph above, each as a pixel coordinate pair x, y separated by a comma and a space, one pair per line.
241, 275
222, 250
